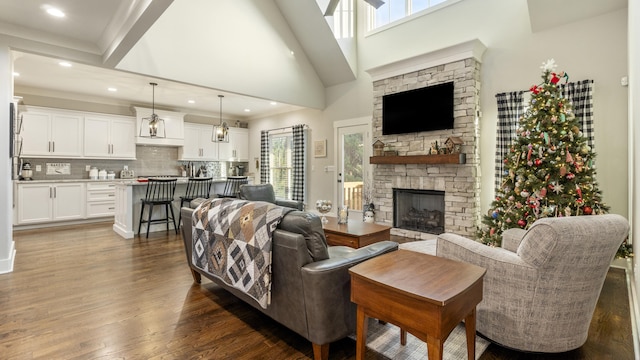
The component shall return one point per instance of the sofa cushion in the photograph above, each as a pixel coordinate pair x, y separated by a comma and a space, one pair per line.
308, 225
258, 192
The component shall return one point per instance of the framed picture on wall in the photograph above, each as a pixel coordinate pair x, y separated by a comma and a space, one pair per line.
320, 148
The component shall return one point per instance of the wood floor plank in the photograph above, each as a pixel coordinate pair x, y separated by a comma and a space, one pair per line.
82, 292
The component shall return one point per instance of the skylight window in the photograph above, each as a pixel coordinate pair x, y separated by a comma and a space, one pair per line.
393, 11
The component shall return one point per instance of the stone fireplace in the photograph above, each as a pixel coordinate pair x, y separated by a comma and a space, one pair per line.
459, 183
418, 210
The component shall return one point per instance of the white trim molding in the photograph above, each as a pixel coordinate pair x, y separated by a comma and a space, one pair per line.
468, 49
6, 265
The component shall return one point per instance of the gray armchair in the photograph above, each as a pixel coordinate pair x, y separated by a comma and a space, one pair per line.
264, 192
541, 287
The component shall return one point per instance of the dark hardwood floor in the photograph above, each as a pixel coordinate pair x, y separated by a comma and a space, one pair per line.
82, 292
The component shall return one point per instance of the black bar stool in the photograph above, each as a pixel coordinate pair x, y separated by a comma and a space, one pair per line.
160, 191
196, 188
232, 186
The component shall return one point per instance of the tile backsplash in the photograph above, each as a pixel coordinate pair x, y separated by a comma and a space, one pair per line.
151, 160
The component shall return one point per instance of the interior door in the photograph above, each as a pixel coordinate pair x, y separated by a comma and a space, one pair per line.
354, 149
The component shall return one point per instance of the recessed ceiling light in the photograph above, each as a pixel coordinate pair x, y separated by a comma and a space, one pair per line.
191, 101
55, 12
112, 89
247, 110
273, 103
64, 64
16, 73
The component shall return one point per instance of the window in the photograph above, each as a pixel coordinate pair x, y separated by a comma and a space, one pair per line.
280, 164
395, 10
343, 18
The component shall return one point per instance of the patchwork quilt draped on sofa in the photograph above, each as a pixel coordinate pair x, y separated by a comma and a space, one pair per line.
232, 241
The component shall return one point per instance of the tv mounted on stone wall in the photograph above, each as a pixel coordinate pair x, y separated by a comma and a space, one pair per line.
425, 109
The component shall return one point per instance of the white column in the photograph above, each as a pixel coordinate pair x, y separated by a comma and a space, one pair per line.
633, 58
7, 248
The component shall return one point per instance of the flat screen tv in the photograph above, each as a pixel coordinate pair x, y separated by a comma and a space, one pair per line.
425, 109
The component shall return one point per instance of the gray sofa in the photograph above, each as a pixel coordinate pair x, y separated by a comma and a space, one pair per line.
542, 285
310, 291
265, 192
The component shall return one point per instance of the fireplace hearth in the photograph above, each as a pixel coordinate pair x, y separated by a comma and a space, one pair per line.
419, 210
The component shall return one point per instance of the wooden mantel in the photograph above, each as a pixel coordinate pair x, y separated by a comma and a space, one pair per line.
420, 159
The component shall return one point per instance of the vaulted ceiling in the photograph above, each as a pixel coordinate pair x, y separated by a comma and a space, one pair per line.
251, 51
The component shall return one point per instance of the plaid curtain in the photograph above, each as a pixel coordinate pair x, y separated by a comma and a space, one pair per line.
298, 162
264, 157
581, 95
510, 109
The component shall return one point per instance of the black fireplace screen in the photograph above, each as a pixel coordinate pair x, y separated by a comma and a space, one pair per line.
419, 210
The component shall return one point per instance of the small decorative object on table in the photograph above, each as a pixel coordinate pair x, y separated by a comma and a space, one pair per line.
323, 206
369, 213
343, 215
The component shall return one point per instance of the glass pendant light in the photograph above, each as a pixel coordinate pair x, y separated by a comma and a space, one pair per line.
152, 126
221, 131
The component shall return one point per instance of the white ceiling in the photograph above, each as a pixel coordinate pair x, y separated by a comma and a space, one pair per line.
96, 35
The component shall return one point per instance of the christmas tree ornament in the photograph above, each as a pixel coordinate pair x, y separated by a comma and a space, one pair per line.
587, 210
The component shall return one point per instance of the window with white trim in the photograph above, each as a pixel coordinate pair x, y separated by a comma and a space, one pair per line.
343, 19
280, 164
395, 10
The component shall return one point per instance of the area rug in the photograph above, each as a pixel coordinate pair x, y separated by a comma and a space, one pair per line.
385, 339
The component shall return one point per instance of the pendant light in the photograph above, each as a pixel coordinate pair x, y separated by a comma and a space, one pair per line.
152, 126
221, 131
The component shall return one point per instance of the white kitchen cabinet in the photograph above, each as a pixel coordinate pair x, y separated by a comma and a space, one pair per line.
197, 143
101, 199
47, 202
237, 149
110, 137
51, 133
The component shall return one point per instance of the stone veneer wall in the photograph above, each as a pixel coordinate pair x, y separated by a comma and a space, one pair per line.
461, 183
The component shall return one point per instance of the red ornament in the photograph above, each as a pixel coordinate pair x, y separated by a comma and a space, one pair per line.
538, 162
534, 89
554, 78
587, 210
522, 223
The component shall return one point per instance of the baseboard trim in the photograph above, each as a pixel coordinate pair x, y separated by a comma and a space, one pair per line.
634, 308
6, 265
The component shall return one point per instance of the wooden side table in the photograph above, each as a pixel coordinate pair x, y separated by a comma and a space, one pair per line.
422, 294
354, 233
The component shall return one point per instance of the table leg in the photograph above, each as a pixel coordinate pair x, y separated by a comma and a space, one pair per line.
470, 327
435, 348
361, 333
403, 337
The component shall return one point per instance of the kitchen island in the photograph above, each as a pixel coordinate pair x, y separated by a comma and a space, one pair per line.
128, 203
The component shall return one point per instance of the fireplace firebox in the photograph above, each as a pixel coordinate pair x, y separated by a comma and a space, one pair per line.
418, 210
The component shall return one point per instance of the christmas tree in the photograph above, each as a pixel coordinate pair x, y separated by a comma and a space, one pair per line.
549, 169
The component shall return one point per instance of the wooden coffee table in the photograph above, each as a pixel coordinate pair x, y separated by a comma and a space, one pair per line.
422, 294
355, 233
